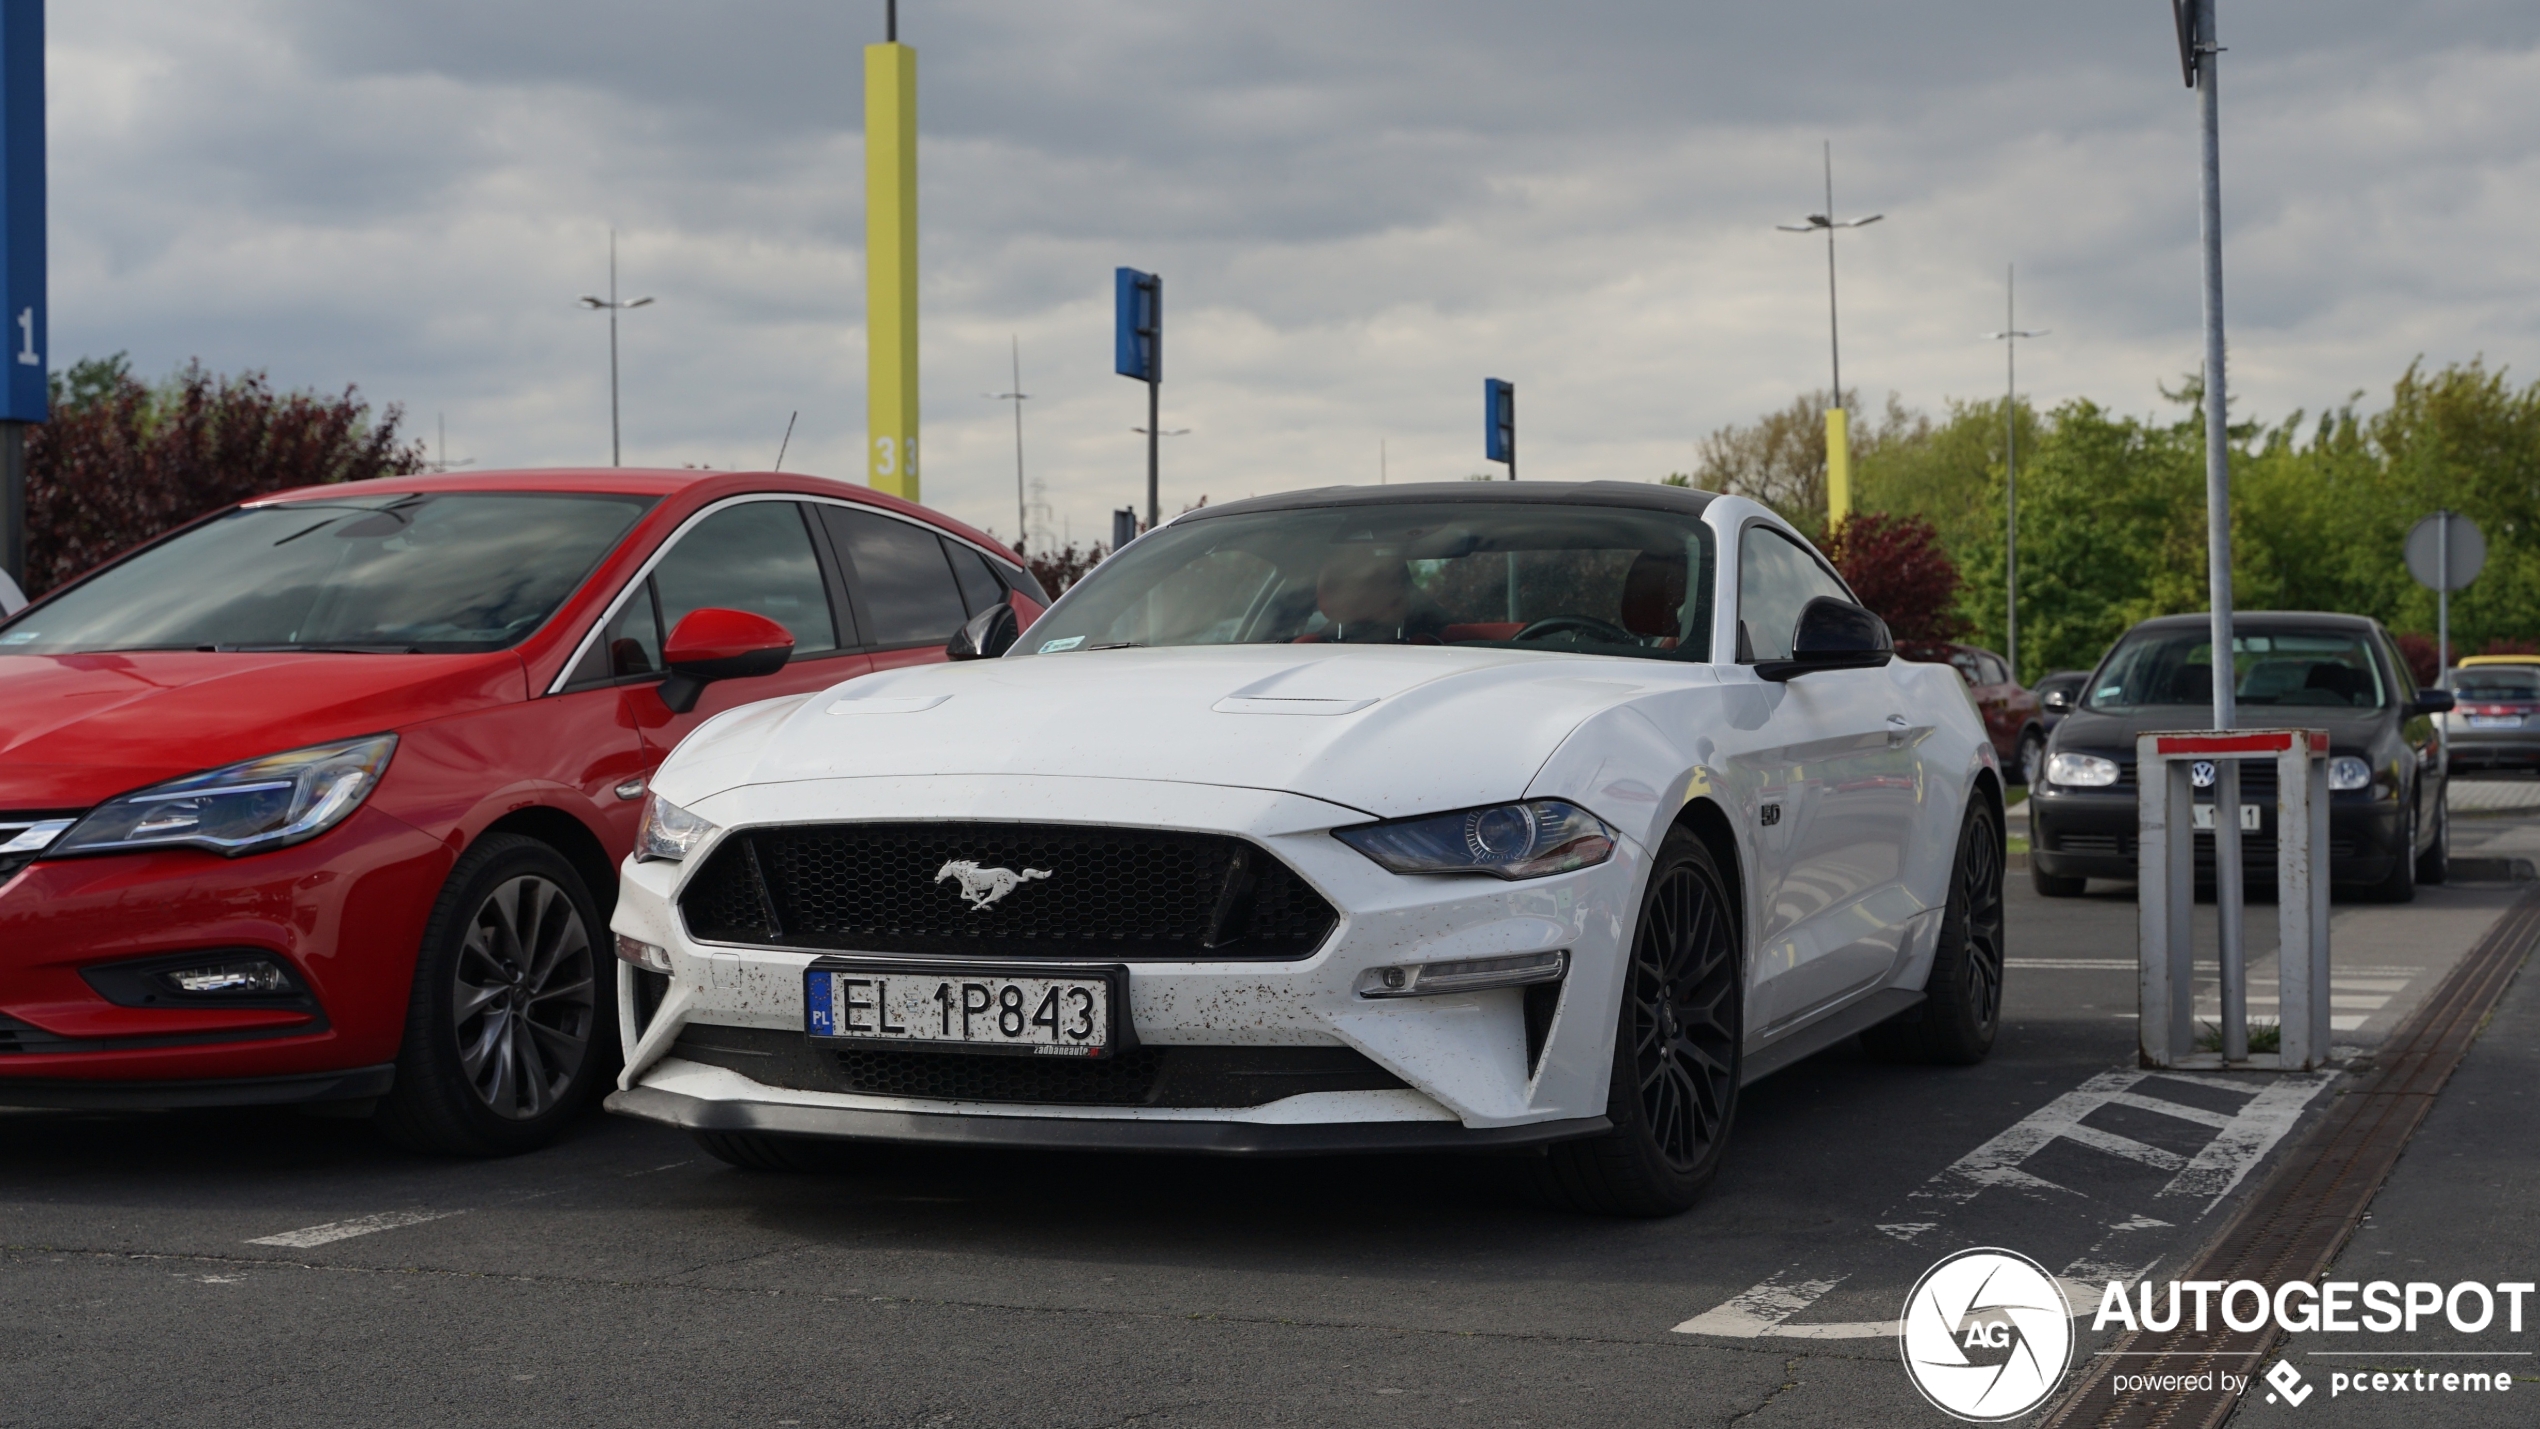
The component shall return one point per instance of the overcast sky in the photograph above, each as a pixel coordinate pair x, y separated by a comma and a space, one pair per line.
1360, 211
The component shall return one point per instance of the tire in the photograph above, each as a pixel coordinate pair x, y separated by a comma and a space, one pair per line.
507, 981
2054, 885
758, 1151
2435, 864
2401, 885
1680, 1030
1962, 1003
2031, 764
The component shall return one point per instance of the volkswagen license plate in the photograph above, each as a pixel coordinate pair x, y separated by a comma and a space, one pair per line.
2249, 817
2495, 721
1044, 1012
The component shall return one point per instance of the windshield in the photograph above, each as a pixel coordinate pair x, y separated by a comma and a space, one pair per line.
2498, 682
435, 573
1599, 580
2281, 668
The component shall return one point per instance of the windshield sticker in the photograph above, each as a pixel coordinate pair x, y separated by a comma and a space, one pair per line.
20, 637
1054, 646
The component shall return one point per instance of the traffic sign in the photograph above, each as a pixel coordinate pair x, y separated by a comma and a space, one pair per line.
2439, 568
1138, 325
1499, 423
22, 307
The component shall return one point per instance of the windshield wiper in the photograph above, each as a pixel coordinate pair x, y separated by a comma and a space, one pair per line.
1120, 645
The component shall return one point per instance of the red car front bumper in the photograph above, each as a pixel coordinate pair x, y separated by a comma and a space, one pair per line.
345, 911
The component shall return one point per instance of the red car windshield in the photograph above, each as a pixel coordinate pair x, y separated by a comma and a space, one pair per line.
426, 573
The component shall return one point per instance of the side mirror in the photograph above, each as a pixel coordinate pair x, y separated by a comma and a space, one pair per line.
989, 634
1832, 635
711, 644
2430, 702
2059, 701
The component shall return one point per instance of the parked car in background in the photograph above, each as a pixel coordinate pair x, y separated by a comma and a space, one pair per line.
2388, 827
2495, 722
319, 798
2012, 717
2057, 694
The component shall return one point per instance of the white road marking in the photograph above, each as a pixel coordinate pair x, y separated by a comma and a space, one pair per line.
1758, 1310
2241, 1139
2110, 964
332, 1231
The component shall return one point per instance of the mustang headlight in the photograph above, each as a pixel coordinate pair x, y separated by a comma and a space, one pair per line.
2348, 772
669, 833
2081, 771
1526, 840
268, 803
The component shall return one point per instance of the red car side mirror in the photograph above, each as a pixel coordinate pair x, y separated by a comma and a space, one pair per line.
713, 644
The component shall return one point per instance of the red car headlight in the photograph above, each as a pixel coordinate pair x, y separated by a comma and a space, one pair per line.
273, 802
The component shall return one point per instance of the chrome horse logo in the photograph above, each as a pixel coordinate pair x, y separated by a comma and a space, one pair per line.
984, 886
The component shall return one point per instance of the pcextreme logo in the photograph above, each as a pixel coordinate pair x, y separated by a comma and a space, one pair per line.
1987, 1335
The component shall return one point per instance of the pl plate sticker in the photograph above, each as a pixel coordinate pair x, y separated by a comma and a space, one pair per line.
1987, 1335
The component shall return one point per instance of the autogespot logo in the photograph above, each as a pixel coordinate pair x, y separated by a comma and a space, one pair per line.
1987, 1335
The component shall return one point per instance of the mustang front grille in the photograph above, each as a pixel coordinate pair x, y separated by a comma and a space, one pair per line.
1004, 890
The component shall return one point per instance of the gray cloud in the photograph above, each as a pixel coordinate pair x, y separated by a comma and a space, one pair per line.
1360, 209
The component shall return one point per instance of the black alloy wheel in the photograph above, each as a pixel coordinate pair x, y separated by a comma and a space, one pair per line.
1962, 999
1678, 1049
503, 1032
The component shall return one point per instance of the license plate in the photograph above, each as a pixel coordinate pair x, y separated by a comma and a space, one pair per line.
2495, 721
1043, 1012
2249, 816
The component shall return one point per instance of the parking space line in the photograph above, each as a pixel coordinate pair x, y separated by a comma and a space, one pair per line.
2240, 1140
333, 1231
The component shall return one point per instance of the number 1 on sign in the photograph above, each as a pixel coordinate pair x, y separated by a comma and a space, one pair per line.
27, 356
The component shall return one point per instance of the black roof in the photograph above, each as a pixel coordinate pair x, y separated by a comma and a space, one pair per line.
1648, 496
2264, 620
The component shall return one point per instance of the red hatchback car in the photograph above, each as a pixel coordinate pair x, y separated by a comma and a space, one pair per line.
321, 798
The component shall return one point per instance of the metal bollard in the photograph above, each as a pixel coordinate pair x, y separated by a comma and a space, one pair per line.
2166, 896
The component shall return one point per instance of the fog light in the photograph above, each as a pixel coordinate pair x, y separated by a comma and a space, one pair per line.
643, 955
1463, 975
241, 977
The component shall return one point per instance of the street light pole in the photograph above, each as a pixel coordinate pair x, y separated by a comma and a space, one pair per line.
1022, 518
2010, 336
613, 307
1838, 423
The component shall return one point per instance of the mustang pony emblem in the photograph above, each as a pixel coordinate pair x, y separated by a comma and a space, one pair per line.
984, 886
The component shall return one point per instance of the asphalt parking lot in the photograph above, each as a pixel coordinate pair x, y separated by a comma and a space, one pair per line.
217, 1268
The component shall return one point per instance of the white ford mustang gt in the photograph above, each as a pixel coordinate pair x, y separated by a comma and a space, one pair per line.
1536, 816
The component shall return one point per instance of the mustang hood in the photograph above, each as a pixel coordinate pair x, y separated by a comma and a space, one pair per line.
78, 729
1391, 730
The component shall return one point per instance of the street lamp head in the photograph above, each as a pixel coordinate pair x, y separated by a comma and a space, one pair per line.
640, 303
591, 302
1862, 222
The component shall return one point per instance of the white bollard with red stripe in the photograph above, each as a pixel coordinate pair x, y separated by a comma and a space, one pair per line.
2166, 807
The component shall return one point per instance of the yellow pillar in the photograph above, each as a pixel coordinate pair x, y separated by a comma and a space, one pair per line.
1838, 467
890, 268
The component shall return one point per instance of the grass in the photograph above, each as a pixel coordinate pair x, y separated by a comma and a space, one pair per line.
2263, 1037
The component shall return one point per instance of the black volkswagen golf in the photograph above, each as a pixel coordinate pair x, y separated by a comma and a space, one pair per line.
2388, 830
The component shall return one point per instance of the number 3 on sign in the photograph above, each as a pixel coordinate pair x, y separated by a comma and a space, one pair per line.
886, 456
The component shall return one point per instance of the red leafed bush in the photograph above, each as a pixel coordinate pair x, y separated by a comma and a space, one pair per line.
121, 461
2424, 660
1058, 569
1897, 567
2509, 647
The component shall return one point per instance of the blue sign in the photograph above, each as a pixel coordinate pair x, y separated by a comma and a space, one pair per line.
1138, 339
1499, 420
22, 397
